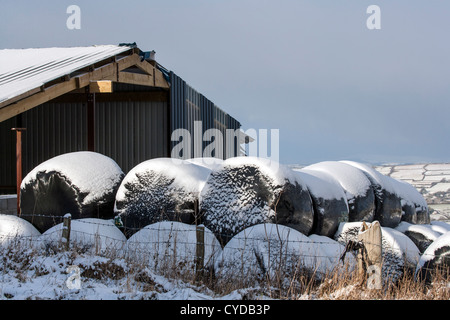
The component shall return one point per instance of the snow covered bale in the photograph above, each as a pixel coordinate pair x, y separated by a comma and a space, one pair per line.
328, 199
160, 189
388, 207
171, 244
269, 251
436, 257
333, 250
245, 191
83, 184
13, 228
91, 234
414, 206
357, 187
422, 235
399, 253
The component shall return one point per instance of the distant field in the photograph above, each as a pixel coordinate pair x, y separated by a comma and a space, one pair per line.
432, 180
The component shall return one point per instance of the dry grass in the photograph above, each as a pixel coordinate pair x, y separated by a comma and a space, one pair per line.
298, 283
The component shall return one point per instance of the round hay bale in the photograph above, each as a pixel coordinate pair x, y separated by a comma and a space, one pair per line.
399, 253
157, 190
414, 206
13, 228
329, 201
356, 185
83, 184
167, 244
422, 235
90, 234
388, 207
272, 251
435, 258
245, 191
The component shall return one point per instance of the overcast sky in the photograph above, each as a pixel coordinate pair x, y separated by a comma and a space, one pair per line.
312, 69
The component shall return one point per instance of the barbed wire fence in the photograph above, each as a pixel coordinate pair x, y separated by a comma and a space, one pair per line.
178, 247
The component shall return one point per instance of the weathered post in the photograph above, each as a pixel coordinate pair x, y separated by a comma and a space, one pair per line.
18, 164
66, 230
370, 255
200, 252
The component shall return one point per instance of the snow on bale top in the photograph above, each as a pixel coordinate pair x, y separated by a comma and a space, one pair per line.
436, 256
388, 207
329, 201
13, 228
208, 162
92, 173
160, 189
440, 226
96, 235
356, 185
245, 191
266, 250
170, 243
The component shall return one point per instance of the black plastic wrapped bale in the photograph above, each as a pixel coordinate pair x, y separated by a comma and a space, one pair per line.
157, 190
435, 258
83, 184
329, 201
356, 185
422, 235
388, 207
245, 191
414, 206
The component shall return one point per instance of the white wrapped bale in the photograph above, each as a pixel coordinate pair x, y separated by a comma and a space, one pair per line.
91, 234
166, 244
14, 229
271, 251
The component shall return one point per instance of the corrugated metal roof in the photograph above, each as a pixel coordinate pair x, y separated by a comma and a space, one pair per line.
22, 70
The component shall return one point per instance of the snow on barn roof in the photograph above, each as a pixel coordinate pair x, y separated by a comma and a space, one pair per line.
22, 70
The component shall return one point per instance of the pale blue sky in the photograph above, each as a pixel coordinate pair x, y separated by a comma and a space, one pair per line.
312, 69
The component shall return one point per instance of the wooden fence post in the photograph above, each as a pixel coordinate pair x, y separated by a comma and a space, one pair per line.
200, 252
370, 256
66, 230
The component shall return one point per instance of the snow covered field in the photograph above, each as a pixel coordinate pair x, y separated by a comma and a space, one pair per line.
432, 180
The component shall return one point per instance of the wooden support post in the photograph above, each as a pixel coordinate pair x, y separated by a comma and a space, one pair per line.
66, 230
91, 120
18, 164
200, 252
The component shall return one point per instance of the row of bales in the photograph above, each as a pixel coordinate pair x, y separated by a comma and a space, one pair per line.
225, 195
229, 197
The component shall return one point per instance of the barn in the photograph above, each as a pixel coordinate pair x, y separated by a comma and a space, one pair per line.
116, 100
